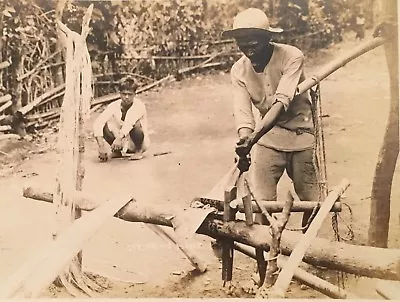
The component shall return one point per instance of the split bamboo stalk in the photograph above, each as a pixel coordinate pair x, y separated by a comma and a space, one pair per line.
360, 260
282, 283
38, 273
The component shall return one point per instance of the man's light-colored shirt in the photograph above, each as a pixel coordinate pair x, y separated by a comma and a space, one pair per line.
112, 115
255, 93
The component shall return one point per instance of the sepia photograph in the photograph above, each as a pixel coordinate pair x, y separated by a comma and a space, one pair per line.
199, 149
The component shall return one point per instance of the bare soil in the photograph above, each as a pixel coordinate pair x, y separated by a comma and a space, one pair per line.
193, 120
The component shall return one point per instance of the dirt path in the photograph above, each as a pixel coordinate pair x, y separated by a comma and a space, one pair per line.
193, 120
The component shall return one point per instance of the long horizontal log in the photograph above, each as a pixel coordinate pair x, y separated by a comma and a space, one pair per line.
360, 260
271, 206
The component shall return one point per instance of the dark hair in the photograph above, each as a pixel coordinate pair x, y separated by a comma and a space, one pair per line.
128, 84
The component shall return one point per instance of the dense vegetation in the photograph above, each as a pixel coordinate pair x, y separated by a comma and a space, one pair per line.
148, 38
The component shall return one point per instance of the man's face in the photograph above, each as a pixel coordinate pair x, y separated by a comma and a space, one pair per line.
252, 46
127, 98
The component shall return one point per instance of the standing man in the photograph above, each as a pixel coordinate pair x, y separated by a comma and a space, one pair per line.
123, 125
264, 98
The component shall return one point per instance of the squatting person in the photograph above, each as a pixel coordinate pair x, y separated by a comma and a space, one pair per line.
264, 84
123, 125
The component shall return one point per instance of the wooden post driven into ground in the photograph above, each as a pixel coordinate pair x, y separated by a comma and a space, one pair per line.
385, 167
71, 139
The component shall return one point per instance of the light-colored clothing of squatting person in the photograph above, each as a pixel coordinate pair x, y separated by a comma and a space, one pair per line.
112, 117
264, 84
123, 125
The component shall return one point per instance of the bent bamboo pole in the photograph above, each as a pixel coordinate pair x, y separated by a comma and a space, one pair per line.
360, 260
38, 273
334, 65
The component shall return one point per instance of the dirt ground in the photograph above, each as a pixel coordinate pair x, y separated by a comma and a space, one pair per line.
193, 120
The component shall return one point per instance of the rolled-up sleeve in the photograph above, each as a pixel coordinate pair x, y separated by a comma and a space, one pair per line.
242, 106
102, 120
289, 81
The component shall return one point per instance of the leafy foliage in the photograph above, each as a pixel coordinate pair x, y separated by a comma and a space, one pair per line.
126, 37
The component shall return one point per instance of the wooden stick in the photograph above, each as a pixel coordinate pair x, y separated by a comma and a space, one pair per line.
282, 283
5, 106
24, 110
388, 289
270, 206
338, 63
5, 64
304, 277
105, 99
360, 260
5, 98
179, 57
38, 273
197, 263
35, 69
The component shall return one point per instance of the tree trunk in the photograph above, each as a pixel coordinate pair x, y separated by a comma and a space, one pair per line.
385, 167
360, 260
17, 69
59, 75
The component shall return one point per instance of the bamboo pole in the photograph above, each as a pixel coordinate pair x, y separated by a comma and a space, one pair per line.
360, 260
24, 110
271, 206
38, 273
331, 67
382, 183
